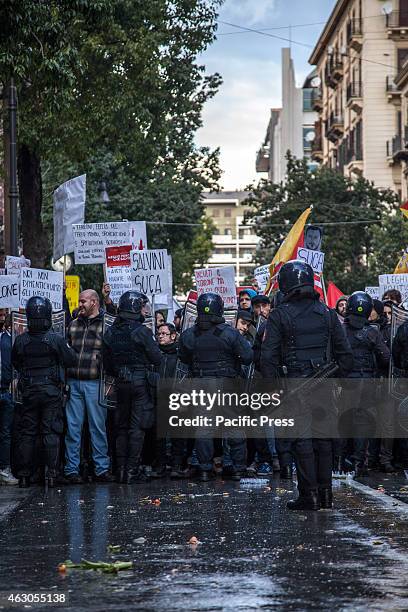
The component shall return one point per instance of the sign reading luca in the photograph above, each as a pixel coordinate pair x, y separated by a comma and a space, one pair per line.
43, 283
149, 270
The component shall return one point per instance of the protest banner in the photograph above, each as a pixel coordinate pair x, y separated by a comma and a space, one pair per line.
72, 285
163, 300
149, 271
394, 281
43, 283
118, 271
218, 280
9, 291
374, 292
14, 264
261, 275
315, 259
91, 239
69, 208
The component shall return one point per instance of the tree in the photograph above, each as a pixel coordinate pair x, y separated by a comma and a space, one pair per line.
355, 252
117, 76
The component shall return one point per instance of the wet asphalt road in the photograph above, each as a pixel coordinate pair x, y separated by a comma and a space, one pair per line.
253, 554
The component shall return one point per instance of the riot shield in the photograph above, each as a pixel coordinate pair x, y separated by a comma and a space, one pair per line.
397, 379
107, 389
19, 326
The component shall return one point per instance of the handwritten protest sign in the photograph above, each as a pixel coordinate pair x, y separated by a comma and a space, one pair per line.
72, 286
9, 291
261, 275
118, 270
218, 280
394, 281
149, 271
315, 259
14, 264
43, 283
374, 292
91, 239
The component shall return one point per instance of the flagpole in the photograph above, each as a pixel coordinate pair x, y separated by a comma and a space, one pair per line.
324, 289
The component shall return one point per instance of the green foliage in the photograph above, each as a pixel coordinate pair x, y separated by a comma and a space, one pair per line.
355, 254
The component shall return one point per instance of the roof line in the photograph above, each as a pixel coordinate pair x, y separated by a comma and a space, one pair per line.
328, 30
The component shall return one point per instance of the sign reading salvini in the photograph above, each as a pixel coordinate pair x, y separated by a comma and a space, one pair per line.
43, 283
149, 270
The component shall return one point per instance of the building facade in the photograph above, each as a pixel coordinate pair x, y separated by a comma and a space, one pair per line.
234, 243
290, 128
360, 52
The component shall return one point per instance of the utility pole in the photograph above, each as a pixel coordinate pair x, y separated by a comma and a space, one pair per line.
12, 159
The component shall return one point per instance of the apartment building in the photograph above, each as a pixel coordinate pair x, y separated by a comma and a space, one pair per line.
360, 52
290, 128
234, 243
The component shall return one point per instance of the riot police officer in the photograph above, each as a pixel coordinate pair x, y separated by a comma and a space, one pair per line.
39, 356
371, 355
302, 334
214, 350
129, 352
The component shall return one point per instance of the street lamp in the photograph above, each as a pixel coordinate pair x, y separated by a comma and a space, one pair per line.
103, 193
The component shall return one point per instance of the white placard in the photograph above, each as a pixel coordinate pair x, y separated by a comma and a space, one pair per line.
42, 283
150, 271
91, 239
315, 259
374, 292
163, 300
394, 281
120, 280
69, 207
9, 291
14, 264
261, 275
218, 280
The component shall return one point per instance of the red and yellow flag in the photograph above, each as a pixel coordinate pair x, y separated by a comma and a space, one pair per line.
404, 209
288, 249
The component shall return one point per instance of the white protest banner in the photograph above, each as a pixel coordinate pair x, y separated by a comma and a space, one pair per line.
374, 292
150, 271
69, 207
9, 291
43, 283
166, 300
118, 271
91, 239
394, 281
315, 259
14, 264
218, 280
261, 275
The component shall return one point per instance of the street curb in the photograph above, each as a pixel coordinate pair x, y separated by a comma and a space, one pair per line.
394, 504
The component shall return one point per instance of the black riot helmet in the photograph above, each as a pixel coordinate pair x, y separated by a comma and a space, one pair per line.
295, 274
132, 302
39, 313
210, 304
360, 304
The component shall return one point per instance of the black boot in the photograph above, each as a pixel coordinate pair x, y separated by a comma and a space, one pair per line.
305, 502
286, 472
326, 498
207, 475
177, 472
24, 482
136, 475
121, 475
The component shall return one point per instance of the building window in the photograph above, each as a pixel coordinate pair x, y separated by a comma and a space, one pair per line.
215, 212
308, 99
227, 212
227, 231
308, 137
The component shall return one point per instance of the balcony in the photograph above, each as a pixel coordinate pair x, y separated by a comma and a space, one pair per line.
317, 99
355, 34
397, 148
262, 159
396, 23
393, 91
317, 149
355, 96
334, 127
333, 71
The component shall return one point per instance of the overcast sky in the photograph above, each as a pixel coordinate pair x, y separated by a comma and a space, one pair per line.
236, 119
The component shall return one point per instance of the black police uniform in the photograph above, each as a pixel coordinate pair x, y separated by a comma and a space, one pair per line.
214, 350
371, 354
300, 334
129, 352
39, 356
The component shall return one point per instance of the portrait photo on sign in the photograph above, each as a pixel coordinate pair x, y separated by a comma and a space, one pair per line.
313, 237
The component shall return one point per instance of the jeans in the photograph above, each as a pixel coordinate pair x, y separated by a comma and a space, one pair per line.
6, 422
84, 396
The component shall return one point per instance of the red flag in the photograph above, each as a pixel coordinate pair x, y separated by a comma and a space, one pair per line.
318, 285
333, 294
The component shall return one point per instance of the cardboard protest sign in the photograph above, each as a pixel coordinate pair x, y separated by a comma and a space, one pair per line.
149, 271
261, 275
14, 264
69, 208
72, 285
394, 281
374, 292
218, 280
166, 300
43, 283
9, 291
91, 239
118, 271
315, 259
